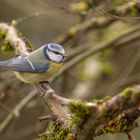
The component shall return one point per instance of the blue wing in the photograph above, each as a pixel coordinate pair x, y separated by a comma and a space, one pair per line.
23, 64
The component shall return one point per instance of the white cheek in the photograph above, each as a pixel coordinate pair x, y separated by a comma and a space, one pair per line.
55, 57
59, 58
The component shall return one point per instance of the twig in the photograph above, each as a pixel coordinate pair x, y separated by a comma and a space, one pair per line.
20, 20
16, 110
42, 118
128, 69
130, 136
57, 104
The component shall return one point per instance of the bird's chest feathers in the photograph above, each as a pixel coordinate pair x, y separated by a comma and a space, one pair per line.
54, 68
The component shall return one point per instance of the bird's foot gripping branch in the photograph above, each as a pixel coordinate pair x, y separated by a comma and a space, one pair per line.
75, 119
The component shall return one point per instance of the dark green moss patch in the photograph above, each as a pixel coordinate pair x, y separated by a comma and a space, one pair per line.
130, 96
100, 101
116, 126
80, 113
6, 47
127, 92
56, 132
2, 34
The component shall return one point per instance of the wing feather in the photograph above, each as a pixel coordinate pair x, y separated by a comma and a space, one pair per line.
23, 64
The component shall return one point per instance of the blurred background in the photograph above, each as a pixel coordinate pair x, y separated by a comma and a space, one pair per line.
78, 26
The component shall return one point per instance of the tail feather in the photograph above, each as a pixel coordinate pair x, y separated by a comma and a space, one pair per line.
4, 65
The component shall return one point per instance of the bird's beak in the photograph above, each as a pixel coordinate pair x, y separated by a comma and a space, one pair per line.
65, 56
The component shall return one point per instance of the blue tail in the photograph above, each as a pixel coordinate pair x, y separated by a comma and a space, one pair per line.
4, 65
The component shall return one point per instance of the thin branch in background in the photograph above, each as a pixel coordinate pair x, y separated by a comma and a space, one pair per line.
128, 69
16, 110
43, 118
5, 107
128, 81
130, 136
69, 11
104, 12
22, 19
122, 10
116, 17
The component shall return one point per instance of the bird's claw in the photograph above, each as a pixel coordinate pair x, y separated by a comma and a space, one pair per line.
42, 88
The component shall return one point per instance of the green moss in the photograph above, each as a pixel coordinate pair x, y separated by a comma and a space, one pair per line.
121, 123
128, 91
70, 136
56, 132
116, 126
80, 108
6, 47
80, 112
2, 34
42, 137
131, 95
126, 95
100, 101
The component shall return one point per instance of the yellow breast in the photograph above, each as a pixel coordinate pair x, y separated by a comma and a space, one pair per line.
38, 77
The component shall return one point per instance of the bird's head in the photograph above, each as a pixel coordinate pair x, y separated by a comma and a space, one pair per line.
54, 52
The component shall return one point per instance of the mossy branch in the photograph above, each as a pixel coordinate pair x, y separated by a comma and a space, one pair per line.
85, 120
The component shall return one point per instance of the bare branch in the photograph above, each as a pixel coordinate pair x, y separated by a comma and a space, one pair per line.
131, 136
16, 110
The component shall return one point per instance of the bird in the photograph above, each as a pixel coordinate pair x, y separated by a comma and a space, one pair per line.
42, 64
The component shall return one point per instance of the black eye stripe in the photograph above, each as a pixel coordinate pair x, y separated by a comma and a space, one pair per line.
55, 52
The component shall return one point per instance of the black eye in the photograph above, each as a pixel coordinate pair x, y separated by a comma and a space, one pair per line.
56, 52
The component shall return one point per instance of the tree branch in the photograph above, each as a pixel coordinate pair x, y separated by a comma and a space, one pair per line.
85, 120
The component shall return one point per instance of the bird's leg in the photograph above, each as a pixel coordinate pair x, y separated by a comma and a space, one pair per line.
42, 87
47, 82
40, 90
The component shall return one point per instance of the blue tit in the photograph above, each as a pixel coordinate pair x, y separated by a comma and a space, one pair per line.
40, 65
